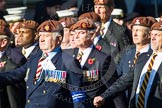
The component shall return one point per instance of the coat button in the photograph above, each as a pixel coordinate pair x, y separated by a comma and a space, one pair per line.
44, 91
28, 101
27, 87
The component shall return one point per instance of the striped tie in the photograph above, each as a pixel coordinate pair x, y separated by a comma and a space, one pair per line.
102, 30
141, 97
39, 68
136, 57
79, 57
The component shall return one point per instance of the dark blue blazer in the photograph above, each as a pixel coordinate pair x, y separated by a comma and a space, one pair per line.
107, 75
46, 94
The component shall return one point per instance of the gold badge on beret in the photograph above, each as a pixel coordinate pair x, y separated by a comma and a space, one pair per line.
101, 1
63, 24
137, 21
47, 27
84, 25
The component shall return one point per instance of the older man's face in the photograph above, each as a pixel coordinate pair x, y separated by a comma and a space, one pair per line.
103, 11
140, 34
156, 40
48, 41
83, 38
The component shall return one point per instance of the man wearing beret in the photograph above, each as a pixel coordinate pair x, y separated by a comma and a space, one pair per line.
51, 75
11, 96
98, 68
112, 32
146, 77
27, 38
102, 45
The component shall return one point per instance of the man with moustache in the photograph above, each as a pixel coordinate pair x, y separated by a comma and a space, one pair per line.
132, 76
113, 33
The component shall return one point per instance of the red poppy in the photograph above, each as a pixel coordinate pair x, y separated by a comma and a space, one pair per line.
2, 64
98, 47
91, 61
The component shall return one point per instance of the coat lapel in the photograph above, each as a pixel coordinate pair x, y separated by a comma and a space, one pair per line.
33, 72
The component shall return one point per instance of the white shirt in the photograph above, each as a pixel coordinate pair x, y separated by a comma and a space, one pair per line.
86, 53
155, 67
29, 50
1, 54
145, 49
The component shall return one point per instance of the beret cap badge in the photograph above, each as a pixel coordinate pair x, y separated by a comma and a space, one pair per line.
84, 25
101, 1
46, 27
137, 21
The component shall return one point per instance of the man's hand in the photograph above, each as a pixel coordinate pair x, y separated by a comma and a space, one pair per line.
98, 101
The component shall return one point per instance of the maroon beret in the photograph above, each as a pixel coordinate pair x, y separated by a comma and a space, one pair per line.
85, 24
104, 2
5, 31
29, 24
157, 26
143, 21
2, 23
67, 21
50, 26
90, 15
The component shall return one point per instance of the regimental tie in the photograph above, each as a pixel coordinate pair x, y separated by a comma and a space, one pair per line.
79, 57
39, 68
141, 97
136, 57
102, 29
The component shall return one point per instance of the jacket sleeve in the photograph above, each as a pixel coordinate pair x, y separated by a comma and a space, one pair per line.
119, 86
13, 76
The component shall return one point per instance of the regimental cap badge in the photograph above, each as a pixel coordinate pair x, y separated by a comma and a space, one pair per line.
63, 24
101, 1
84, 25
137, 21
46, 27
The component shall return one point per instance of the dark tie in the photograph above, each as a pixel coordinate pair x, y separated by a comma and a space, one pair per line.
79, 57
136, 57
39, 68
141, 97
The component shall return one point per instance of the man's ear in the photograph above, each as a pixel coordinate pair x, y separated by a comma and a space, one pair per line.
36, 36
